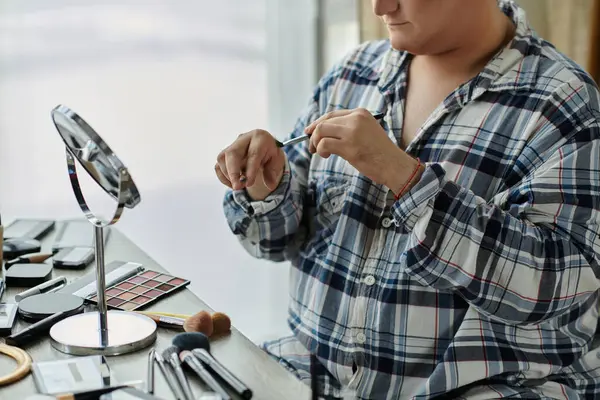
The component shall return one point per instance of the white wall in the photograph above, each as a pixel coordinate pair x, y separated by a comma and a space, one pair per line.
168, 84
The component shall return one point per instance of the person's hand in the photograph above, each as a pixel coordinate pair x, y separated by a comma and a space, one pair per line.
253, 161
357, 137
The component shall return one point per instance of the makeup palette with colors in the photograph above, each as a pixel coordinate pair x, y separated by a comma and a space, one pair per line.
141, 290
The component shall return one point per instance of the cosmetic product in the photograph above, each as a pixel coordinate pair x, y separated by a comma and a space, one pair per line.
168, 374
74, 375
32, 259
150, 372
2, 287
28, 228
171, 355
39, 329
199, 345
167, 322
23, 360
49, 286
116, 272
16, 247
187, 357
128, 394
28, 275
40, 306
89, 395
8, 316
141, 290
211, 325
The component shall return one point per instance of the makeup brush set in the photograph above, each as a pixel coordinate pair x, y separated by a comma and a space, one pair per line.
189, 354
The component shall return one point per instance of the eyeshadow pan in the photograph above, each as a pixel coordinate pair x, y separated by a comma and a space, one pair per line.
163, 278
114, 302
113, 292
139, 289
141, 299
176, 281
125, 285
149, 274
128, 306
165, 287
127, 295
153, 293
137, 279
152, 283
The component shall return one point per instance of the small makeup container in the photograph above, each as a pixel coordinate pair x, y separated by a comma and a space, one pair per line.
8, 315
40, 306
72, 375
27, 275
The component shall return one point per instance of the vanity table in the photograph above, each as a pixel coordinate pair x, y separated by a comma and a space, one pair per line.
264, 376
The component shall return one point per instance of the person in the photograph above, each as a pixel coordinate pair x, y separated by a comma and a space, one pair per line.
450, 250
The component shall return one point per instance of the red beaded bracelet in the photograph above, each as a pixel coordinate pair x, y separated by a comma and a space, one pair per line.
409, 181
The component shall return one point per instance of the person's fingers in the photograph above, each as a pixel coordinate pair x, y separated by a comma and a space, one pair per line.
328, 129
333, 114
235, 157
328, 146
256, 155
221, 176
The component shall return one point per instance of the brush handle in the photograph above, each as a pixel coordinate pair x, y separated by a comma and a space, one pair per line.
183, 382
168, 374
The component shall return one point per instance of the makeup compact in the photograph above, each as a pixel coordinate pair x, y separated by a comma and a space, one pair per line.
141, 290
40, 306
8, 315
72, 375
27, 275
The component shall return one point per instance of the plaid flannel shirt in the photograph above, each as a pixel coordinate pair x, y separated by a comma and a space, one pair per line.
482, 281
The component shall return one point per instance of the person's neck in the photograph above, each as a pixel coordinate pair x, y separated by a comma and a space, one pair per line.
488, 36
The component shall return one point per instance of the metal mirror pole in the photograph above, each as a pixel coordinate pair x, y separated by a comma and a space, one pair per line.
101, 284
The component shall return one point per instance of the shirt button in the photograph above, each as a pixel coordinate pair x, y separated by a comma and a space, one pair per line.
361, 338
386, 222
369, 280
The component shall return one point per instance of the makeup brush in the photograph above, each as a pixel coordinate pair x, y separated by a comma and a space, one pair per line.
171, 355
32, 259
199, 345
200, 322
211, 325
167, 374
89, 395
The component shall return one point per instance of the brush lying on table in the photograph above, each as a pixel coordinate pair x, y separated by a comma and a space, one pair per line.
211, 325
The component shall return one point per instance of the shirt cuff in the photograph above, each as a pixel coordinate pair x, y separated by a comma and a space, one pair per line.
271, 202
412, 205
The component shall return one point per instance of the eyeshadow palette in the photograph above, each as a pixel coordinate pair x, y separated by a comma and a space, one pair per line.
141, 290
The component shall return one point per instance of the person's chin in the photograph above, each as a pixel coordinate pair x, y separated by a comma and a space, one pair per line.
401, 42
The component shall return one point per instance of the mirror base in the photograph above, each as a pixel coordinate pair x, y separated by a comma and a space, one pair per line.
79, 335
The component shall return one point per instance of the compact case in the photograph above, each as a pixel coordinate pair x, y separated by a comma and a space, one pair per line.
40, 306
27, 275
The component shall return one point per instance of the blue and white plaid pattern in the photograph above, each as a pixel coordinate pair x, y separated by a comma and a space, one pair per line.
482, 281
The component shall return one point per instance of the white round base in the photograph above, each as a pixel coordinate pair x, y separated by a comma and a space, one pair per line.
80, 334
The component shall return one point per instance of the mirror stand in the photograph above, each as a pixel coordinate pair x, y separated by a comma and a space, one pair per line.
103, 332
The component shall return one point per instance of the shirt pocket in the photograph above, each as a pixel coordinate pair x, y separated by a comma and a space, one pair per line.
328, 197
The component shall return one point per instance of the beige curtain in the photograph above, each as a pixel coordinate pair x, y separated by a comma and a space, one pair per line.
565, 23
